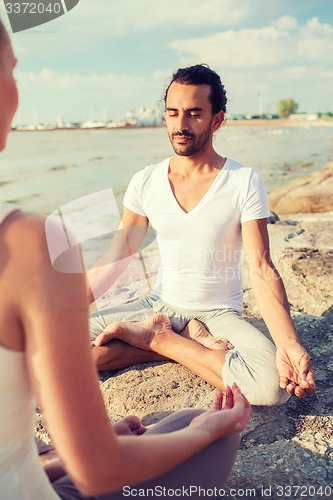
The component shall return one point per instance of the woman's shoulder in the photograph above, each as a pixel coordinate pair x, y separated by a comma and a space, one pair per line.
16, 223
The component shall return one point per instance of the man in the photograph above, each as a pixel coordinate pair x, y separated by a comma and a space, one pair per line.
204, 207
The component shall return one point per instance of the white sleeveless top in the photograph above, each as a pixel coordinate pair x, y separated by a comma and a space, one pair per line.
21, 476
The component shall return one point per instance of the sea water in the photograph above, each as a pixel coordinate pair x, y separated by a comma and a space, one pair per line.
84, 173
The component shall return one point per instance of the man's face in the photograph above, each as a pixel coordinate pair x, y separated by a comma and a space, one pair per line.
189, 118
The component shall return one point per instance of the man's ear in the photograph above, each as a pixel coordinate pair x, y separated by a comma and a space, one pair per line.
218, 119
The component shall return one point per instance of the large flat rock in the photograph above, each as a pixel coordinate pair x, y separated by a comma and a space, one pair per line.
313, 193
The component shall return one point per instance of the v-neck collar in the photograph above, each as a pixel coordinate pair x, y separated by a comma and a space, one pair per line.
203, 199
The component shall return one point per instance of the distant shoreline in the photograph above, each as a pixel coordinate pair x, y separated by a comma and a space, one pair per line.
277, 123
280, 122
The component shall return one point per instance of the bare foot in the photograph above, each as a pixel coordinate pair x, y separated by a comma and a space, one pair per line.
195, 330
136, 333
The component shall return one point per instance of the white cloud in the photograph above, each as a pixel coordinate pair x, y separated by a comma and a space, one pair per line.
108, 20
128, 16
286, 23
242, 49
279, 60
252, 47
266, 47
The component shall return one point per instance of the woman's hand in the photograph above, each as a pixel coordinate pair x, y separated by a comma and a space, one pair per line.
220, 422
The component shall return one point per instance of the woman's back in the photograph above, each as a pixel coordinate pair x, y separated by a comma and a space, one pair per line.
20, 473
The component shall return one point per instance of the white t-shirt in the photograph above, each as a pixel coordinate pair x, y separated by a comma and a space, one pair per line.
200, 250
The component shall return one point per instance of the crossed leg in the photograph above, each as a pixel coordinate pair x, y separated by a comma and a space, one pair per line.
123, 344
207, 469
52, 465
251, 363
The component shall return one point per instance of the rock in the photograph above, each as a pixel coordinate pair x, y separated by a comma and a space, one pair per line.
273, 218
313, 193
304, 258
308, 276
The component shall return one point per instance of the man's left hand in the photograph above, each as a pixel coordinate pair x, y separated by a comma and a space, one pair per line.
295, 370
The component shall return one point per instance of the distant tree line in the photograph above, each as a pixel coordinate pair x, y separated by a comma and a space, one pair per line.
329, 114
286, 107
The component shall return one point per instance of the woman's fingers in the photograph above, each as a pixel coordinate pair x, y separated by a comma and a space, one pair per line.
217, 405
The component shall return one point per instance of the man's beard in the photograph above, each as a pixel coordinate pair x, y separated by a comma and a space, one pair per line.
195, 145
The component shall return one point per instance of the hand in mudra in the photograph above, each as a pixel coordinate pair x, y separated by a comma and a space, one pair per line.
220, 422
295, 370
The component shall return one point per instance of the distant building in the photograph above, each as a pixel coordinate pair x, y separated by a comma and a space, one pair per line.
92, 124
60, 123
303, 116
143, 117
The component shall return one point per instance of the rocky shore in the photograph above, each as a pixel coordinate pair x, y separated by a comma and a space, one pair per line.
287, 446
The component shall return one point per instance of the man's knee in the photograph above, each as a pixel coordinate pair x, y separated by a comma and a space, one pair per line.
267, 395
264, 389
256, 375
260, 386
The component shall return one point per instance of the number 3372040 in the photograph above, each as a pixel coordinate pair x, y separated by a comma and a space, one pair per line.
33, 8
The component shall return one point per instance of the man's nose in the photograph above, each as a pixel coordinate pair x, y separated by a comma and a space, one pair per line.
182, 123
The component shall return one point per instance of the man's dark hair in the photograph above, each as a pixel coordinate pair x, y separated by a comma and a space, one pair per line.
201, 74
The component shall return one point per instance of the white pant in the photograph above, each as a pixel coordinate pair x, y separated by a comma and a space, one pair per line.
251, 364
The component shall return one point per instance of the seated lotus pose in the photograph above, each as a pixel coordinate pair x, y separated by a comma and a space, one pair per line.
45, 354
204, 208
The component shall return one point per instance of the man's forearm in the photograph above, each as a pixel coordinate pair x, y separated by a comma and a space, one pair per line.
273, 304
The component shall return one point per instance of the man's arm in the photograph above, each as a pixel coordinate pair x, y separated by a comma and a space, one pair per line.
126, 241
293, 362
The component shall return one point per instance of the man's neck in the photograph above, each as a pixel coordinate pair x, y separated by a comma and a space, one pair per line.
197, 163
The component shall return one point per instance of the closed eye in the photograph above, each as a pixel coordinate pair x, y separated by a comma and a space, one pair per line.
194, 112
172, 112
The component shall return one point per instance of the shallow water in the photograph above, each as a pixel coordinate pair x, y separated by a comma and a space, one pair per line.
41, 171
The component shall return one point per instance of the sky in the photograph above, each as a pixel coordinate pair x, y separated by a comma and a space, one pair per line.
105, 57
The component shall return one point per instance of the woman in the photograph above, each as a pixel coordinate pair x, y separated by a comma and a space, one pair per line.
43, 316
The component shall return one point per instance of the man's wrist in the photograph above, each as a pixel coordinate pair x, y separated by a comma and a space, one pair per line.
287, 341
289, 336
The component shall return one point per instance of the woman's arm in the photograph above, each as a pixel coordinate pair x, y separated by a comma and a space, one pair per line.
52, 309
